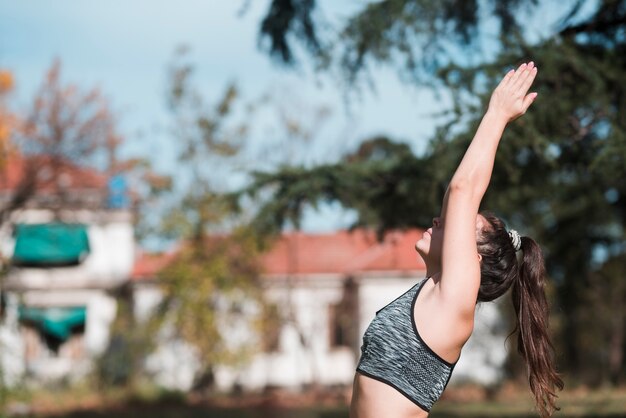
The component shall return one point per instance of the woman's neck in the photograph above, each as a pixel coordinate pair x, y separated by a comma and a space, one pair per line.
433, 273
432, 267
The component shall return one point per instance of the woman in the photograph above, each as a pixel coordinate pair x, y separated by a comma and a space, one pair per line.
410, 348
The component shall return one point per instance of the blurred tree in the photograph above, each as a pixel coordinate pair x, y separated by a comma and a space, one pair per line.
294, 138
10, 125
602, 317
8, 119
66, 123
121, 364
559, 171
64, 126
286, 17
212, 298
383, 181
416, 36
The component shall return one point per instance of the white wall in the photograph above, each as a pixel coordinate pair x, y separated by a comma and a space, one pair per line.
11, 345
376, 292
146, 298
108, 265
295, 364
174, 364
112, 252
484, 354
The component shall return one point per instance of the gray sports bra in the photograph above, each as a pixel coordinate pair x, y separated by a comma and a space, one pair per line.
394, 353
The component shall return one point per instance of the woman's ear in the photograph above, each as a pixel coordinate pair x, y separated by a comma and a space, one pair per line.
480, 258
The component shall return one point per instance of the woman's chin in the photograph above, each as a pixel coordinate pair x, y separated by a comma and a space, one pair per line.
421, 249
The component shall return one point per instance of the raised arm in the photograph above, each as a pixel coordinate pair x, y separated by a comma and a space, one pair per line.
460, 269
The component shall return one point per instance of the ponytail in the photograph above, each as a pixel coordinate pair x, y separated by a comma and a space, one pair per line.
533, 340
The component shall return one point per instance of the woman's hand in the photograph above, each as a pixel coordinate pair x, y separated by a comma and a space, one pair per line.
510, 99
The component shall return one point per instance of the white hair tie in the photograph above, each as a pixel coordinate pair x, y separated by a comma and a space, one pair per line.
515, 239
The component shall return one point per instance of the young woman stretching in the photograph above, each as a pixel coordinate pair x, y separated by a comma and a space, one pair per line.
410, 348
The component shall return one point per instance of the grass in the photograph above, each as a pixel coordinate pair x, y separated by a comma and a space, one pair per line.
149, 402
606, 403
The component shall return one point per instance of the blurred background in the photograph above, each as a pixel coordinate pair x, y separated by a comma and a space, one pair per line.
204, 203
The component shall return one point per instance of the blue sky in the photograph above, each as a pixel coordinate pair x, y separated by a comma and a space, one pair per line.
123, 47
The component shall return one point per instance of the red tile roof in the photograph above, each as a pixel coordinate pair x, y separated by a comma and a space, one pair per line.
147, 265
342, 253
68, 174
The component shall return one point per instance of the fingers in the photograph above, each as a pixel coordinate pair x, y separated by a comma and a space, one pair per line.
510, 97
513, 76
521, 79
507, 78
528, 100
525, 85
526, 76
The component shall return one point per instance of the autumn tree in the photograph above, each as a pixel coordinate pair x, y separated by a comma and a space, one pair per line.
66, 123
63, 127
8, 119
10, 124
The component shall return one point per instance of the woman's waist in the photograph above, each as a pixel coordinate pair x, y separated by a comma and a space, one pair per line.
375, 399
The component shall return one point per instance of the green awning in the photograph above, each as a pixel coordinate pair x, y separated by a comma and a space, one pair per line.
50, 244
56, 322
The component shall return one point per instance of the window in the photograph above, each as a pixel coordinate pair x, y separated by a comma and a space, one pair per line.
3, 304
342, 324
339, 326
38, 345
271, 329
53, 332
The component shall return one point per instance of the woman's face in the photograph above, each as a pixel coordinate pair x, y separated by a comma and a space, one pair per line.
430, 245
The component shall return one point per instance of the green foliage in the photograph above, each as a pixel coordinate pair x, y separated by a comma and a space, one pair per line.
559, 170
212, 294
202, 129
422, 35
384, 182
122, 362
601, 319
287, 17
212, 299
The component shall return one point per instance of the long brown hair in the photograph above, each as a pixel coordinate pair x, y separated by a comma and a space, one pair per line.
501, 269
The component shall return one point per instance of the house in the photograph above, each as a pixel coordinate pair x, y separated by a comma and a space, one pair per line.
67, 247
69, 250
327, 288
